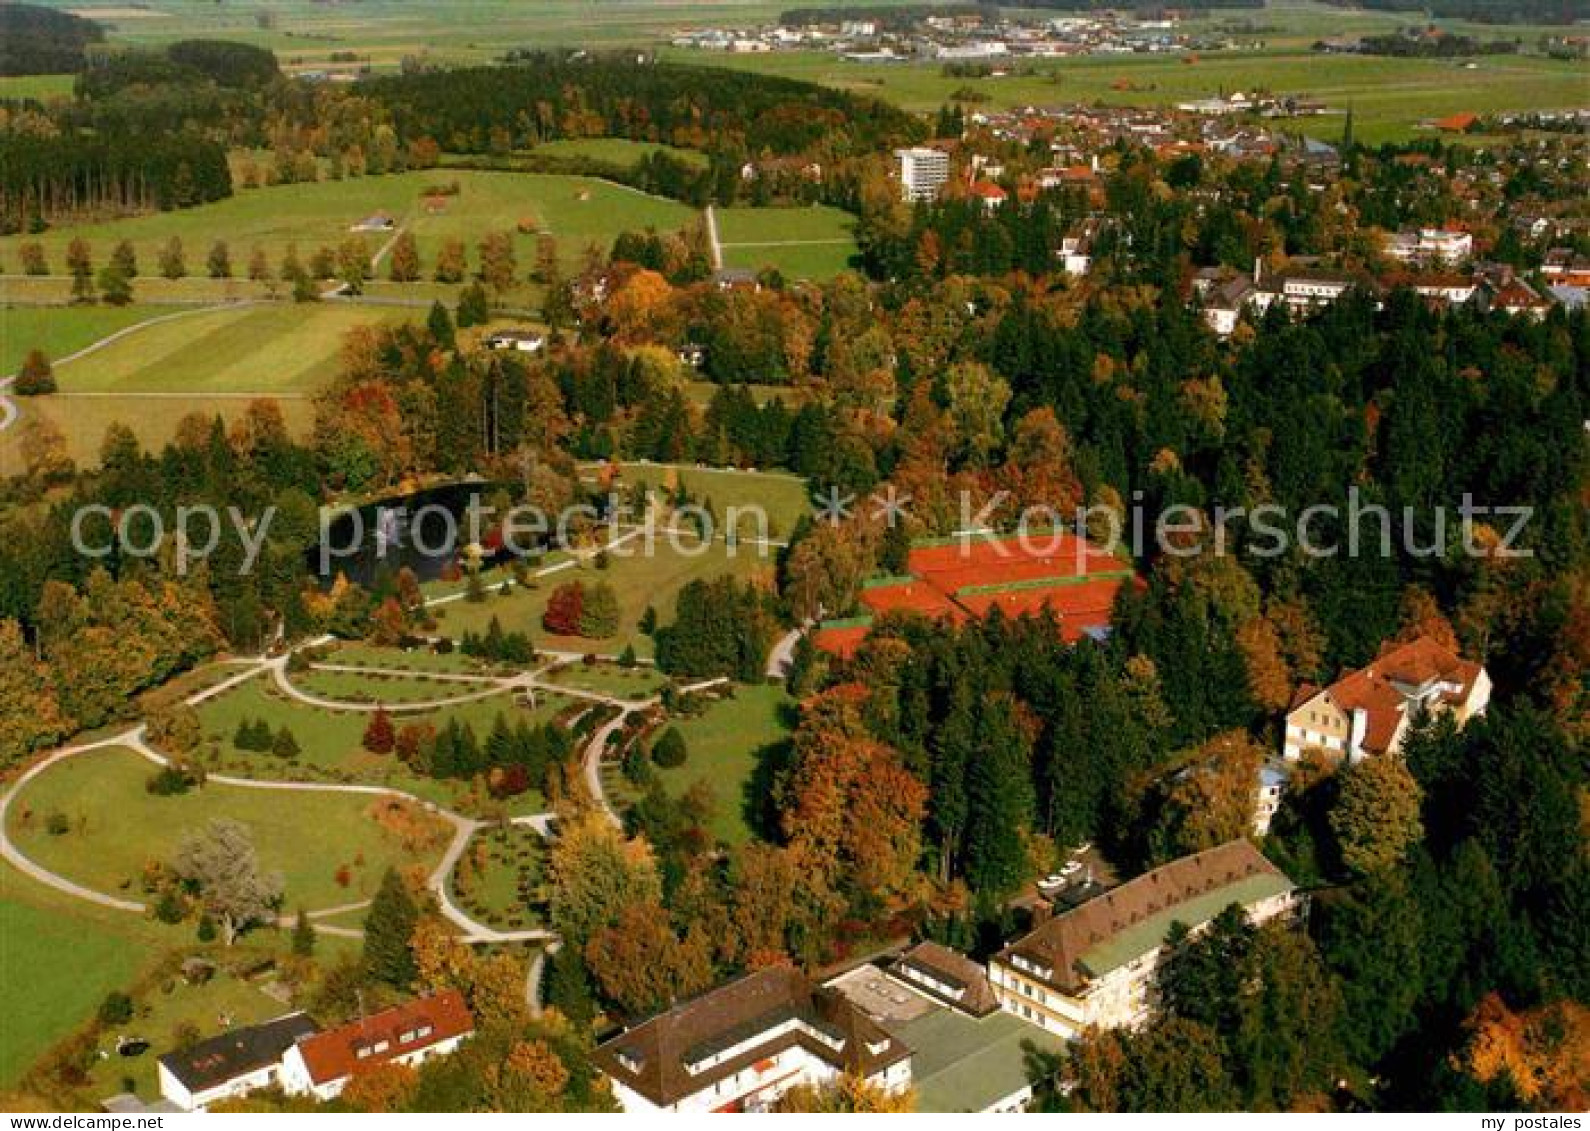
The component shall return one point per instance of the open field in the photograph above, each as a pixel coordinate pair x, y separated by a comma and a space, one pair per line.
779, 495
806, 243
577, 210
639, 578
265, 350
368, 687
46, 996
59, 331
416, 660
615, 150
1389, 97
331, 740
730, 745
84, 419
117, 828
36, 86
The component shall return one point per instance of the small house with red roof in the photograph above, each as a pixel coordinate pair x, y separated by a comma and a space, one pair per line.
412, 1033
989, 193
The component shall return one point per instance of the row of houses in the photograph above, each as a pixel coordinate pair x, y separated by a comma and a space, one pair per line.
1227, 296
959, 1033
295, 1054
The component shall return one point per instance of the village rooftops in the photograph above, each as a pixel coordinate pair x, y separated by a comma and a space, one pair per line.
1126, 923
397, 1032
237, 1053
712, 1037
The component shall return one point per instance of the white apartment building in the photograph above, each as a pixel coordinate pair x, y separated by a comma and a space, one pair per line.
923, 172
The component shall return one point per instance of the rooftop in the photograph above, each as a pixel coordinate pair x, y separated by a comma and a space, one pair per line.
960, 1063
237, 1052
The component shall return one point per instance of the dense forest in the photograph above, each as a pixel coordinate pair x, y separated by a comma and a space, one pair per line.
35, 40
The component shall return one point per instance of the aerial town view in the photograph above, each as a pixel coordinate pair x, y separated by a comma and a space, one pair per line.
883, 556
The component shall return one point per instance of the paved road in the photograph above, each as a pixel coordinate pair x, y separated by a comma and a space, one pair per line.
8, 407
712, 239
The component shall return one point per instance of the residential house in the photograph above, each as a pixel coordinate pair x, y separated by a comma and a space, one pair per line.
947, 976
520, 341
1094, 965
741, 1046
1076, 246
989, 193
322, 1064
1367, 712
1517, 297
1432, 246
233, 1064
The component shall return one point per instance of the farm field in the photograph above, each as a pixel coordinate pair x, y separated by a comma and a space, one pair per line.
331, 740
728, 744
577, 210
1389, 96
59, 331
640, 579
84, 419
263, 350
807, 243
117, 828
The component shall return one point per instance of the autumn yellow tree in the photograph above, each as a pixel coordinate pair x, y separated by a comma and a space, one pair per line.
848, 1094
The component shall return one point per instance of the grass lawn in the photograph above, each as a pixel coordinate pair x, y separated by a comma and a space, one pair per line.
615, 150
264, 350
639, 579
416, 660
60, 330
499, 880
36, 86
731, 746
55, 968
331, 742
578, 210
118, 827
363, 687
611, 679
801, 243
779, 495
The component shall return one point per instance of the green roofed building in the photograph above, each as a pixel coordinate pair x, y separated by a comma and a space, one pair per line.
1094, 965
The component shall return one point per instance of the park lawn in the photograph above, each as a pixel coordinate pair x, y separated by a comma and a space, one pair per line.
332, 747
780, 496
578, 210
60, 330
816, 261
56, 966
728, 744
148, 290
264, 350
616, 150
83, 419
405, 659
369, 687
639, 579
118, 828
640, 682
499, 879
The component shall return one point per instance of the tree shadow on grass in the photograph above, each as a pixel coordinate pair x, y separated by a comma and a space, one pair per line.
757, 806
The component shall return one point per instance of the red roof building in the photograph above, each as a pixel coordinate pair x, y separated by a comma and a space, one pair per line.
410, 1033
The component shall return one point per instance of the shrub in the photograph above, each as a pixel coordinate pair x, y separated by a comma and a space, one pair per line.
626, 658
169, 781
169, 909
670, 750
116, 1009
56, 824
285, 745
206, 929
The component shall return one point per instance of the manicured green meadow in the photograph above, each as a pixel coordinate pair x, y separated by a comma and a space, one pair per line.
499, 880
331, 741
728, 743
41, 87
638, 577
263, 350
782, 497
117, 828
801, 243
610, 679
368, 687
615, 150
415, 660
